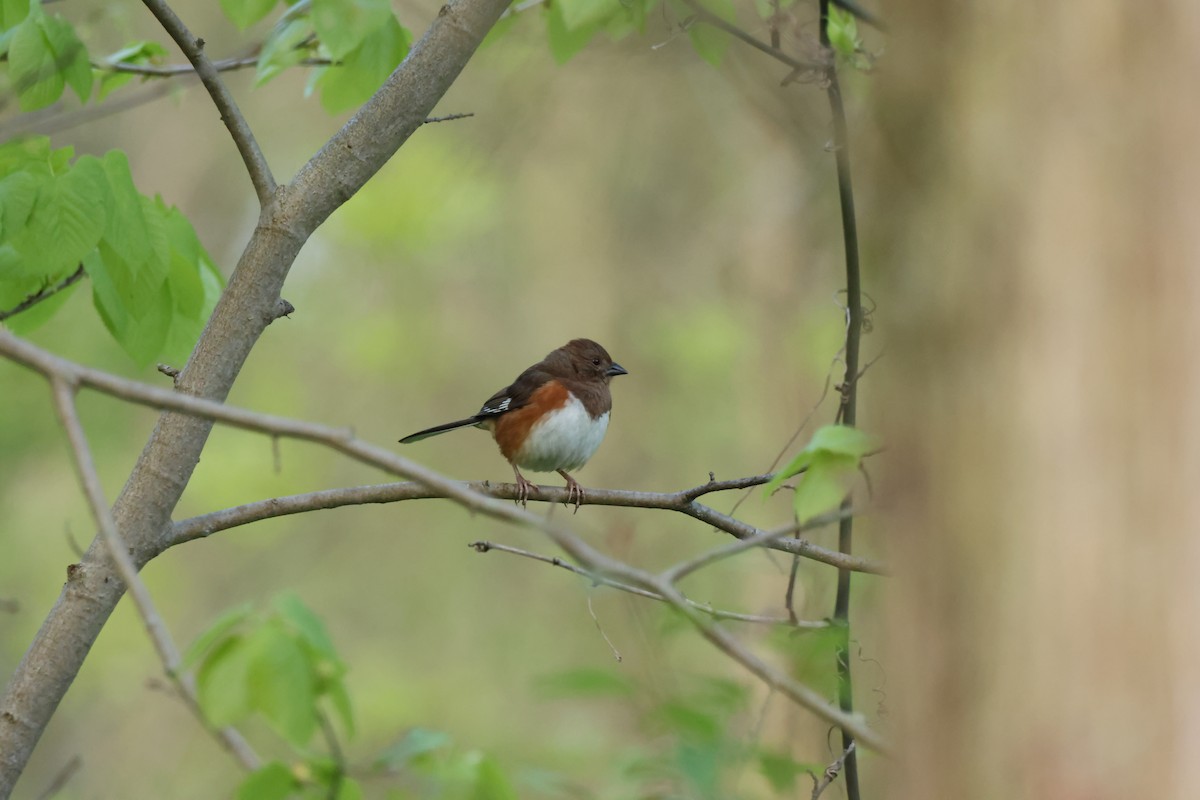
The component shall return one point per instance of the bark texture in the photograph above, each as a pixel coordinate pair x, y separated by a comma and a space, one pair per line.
1038, 294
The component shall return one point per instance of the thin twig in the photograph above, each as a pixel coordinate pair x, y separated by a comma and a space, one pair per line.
616, 653
63, 776
173, 70
831, 772
231, 115
684, 568
735, 616
849, 402
704, 15
336, 754
64, 403
448, 117
43, 294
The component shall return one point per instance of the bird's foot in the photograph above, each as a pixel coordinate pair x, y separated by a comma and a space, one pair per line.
574, 491
524, 488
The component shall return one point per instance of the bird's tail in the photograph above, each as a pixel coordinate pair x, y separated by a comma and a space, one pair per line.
436, 429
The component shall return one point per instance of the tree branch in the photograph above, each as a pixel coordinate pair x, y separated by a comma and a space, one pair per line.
736, 616
231, 115
199, 527
173, 70
848, 411
702, 14
764, 539
156, 629
831, 772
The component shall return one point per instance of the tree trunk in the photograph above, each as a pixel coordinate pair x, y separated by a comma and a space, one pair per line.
1039, 223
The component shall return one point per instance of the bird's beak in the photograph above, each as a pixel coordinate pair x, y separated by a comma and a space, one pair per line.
616, 369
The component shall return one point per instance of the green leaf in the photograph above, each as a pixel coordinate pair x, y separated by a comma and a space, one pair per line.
491, 783
221, 627
281, 49
689, 722
344, 25
244, 13
781, 770
32, 318
35, 74
301, 618
364, 69
811, 655
65, 223
834, 439
631, 19
710, 42
152, 282
12, 13
192, 283
586, 682
829, 462
843, 32
126, 228
722, 695
30, 154
577, 14
340, 699
350, 790
842, 439
44, 56
273, 781
222, 682
18, 192
415, 743
282, 683
566, 42
139, 53
111, 81
824, 485
70, 54
326, 664
700, 763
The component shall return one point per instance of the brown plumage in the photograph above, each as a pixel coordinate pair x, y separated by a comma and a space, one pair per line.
552, 417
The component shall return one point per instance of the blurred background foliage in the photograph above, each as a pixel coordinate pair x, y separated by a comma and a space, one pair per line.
683, 216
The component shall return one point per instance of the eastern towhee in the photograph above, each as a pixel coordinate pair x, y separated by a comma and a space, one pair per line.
552, 417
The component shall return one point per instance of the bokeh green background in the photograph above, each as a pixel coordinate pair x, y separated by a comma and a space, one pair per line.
683, 216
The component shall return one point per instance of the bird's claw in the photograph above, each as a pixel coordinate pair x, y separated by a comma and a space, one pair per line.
575, 492
524, 489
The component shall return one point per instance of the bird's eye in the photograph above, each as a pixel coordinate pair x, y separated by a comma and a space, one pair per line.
596, 361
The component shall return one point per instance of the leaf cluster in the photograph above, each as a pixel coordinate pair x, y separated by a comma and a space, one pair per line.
358, 43
153, 284
280, 665
701, 734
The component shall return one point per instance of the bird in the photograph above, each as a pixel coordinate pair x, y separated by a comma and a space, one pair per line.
551, 418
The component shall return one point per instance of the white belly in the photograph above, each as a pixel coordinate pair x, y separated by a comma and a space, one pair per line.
563, 440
